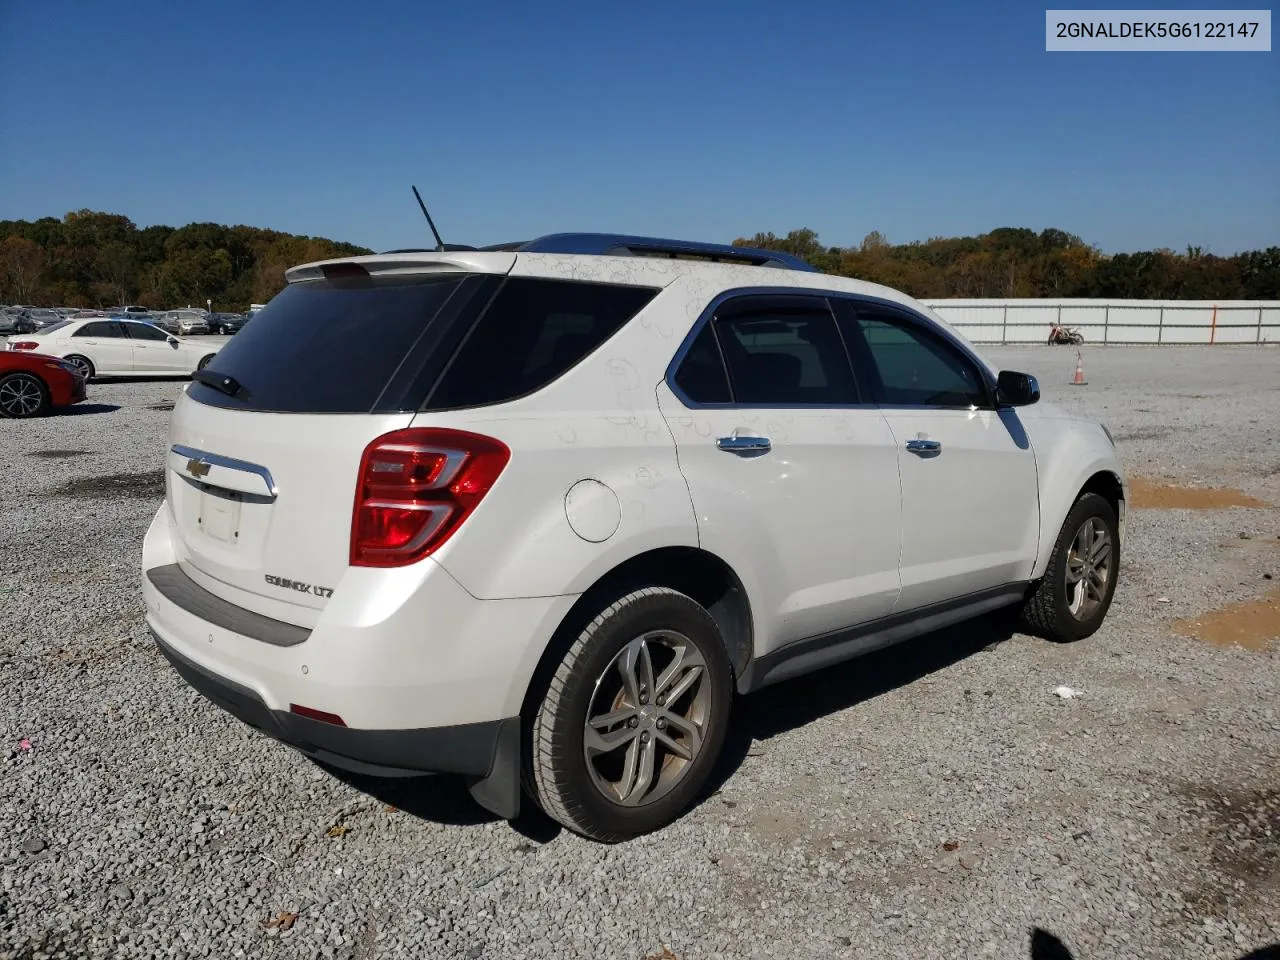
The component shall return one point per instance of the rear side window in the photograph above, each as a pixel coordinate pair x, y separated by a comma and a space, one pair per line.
533, 332
334, 346
786, 357
100, 328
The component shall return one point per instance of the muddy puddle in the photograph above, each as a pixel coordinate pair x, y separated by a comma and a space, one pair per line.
1251, 624
1147, 494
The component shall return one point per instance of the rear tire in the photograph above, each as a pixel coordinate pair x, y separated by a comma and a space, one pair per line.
1072, 599
84, 363
633, 719
204, 362
23, 395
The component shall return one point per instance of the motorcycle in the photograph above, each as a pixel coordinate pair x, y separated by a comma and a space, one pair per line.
1065, 335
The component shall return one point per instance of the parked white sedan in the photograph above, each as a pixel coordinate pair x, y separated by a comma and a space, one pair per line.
120, 348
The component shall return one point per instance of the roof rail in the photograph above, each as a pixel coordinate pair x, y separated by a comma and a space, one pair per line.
622, 245
614, 244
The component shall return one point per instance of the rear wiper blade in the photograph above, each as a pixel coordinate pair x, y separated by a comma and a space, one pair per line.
219, 381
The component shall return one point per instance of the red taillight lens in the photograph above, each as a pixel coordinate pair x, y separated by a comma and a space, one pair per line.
25, 345
416, 487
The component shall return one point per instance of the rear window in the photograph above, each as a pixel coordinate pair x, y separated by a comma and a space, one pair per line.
532, 333
331, 346
392, 344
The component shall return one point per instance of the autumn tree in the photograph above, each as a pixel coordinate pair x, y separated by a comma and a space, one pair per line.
24, 263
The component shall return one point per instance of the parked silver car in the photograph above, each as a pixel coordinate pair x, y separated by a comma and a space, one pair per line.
184, 323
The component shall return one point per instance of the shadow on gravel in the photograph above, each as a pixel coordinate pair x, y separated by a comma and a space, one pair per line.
1045, 946
115, 380
141, 486
444, 799
60, 454
792, 704
795, 703
88, 409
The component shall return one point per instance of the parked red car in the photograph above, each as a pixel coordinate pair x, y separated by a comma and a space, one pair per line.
31, 384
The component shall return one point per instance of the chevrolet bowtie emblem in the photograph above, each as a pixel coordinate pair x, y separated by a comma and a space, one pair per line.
198, 468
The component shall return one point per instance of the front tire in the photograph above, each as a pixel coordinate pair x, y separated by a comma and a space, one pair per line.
1073, 598
204, 362
23, 395
628, 731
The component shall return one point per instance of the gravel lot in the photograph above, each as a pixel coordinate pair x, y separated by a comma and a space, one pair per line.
933, 801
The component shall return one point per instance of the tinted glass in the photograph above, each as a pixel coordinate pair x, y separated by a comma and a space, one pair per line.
701, 374
53, 326
786, 357
142, 331
915, 367
323, 347
533, 332
100, 328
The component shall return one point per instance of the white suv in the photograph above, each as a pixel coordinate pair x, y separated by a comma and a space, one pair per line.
533, 514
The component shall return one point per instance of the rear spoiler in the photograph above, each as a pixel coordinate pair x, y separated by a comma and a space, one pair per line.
404, 264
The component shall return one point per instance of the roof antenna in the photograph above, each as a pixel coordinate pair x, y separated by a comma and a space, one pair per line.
430, 222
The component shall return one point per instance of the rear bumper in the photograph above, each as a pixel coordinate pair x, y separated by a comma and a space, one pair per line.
469, 749
426, 677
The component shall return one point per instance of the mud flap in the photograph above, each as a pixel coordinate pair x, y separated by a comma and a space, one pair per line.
499, 792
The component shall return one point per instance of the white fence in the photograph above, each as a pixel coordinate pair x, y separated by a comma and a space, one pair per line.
1115, 321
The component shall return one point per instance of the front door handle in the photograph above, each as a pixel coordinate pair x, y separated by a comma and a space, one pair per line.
924, 446
744, 444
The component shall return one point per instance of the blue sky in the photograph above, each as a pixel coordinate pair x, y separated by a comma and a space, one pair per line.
703, 120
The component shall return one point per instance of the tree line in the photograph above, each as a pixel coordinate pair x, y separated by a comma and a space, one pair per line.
1017, 262
92, 259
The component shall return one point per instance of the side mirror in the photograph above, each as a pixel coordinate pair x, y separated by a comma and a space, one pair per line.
173, 341
1016, 389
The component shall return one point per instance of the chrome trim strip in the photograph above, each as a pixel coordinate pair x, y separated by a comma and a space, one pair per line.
230, 463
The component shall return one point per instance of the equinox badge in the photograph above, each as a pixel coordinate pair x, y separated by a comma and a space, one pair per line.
300, 587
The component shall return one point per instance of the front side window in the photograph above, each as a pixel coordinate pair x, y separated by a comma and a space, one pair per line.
913, 367
786, 357
142, 331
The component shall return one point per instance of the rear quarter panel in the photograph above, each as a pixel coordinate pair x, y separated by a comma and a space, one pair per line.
600, 422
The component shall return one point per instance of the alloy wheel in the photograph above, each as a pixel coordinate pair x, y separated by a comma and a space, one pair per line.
1088, 568
20, 396
646, 721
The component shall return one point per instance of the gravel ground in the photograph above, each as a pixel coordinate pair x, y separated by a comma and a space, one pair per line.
932, 801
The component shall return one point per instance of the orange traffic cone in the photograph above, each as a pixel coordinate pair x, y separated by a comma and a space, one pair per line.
1078, 380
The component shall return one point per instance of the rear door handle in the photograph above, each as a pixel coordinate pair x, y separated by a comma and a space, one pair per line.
744, 444
924, 446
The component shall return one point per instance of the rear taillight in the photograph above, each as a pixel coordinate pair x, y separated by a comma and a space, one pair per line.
415, 488
24, 345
